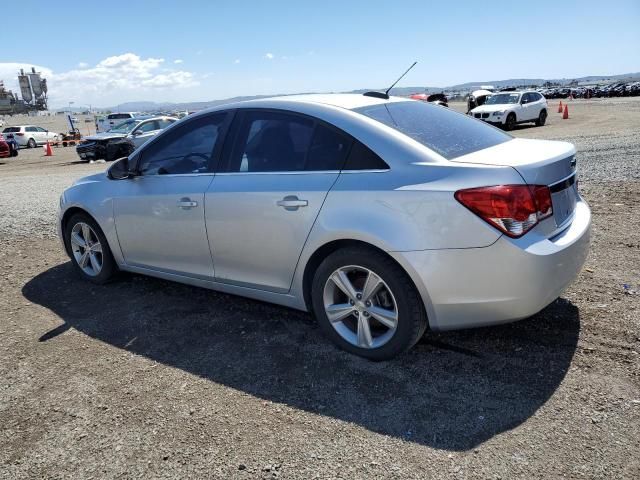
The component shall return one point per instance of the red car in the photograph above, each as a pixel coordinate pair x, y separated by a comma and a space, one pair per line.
7, 149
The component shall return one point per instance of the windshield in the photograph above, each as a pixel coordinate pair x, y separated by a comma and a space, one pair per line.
502, 99
444, 131
125, 127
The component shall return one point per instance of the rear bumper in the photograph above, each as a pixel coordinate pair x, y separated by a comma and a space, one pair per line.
509, 280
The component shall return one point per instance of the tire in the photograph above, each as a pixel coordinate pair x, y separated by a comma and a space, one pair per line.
396, 296
542, 118
31, 143
510, 123
108, 268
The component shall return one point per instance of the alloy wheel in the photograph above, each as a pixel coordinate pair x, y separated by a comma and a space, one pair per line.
86, 248
360, 306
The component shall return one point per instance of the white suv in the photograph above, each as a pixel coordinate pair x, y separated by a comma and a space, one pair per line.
510, 108
29, 135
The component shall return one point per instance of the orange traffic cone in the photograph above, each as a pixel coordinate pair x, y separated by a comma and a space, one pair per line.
565, 115
48, 151
560, 107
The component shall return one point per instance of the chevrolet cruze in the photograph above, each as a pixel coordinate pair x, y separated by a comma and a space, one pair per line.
383, 216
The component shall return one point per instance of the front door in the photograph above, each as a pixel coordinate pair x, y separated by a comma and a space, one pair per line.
159, 214
261, 208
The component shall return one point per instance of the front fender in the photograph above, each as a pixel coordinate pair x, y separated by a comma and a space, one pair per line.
92, 196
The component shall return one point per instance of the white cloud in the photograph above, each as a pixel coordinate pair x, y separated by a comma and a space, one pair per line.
112, 80
83, 65
236, 61
178, 61
269, 56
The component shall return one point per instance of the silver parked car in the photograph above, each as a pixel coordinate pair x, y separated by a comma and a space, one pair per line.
383, 216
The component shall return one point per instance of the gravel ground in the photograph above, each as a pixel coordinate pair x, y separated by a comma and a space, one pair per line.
146, 378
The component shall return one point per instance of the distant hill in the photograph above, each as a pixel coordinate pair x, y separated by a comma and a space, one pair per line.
144, 106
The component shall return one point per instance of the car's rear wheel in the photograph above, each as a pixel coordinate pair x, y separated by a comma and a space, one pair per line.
367, 304
89, 250
31, 143
511, 122
542, 118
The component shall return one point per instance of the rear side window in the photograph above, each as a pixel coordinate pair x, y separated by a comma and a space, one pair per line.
11, 130
272, 142
329, 149
362, 158
446, 132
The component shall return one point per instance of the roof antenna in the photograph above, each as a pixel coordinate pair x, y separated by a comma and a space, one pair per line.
385, 95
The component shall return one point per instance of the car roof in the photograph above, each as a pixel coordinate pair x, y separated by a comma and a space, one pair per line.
347, 101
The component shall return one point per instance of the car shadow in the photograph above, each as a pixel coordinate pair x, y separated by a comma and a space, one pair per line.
452, 391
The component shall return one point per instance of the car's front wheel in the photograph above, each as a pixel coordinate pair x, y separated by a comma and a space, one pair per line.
510, 123
89, 250
367, 304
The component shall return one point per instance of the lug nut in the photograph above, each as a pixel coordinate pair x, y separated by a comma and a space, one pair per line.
359, 296
367, 303
366, 314
351, 302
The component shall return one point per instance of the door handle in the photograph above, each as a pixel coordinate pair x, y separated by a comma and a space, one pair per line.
291, 202
186, 203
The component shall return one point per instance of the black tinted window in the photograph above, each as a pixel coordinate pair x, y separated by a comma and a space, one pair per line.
11, 130
329, 149
118, 116
271, 142
446, 132
187, 149
362, 158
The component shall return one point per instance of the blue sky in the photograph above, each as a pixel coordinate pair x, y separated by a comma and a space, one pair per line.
104, 53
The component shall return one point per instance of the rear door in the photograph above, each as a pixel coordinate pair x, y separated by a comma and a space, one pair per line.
262, 204
159, 214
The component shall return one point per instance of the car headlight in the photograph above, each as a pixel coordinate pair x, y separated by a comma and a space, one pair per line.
498, 113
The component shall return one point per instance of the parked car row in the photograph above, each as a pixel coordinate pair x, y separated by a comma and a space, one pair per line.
621, 89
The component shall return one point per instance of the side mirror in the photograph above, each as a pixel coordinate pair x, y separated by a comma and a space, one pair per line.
120, 170
135, 133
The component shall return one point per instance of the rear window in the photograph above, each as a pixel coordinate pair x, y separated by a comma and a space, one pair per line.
119, 116
11, 130
444, 131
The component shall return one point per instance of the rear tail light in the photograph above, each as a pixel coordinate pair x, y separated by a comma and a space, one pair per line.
20, 134
512, 209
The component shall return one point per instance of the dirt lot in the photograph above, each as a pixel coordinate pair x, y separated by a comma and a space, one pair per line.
145, 378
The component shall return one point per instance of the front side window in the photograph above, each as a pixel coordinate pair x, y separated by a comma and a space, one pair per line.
446, 132
125, 127
148, 127
184, 150
31, 129
164, 123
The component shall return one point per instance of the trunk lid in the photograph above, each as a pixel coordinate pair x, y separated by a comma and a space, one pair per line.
539, 162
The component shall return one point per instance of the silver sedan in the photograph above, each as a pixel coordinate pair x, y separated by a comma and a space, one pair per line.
382, 216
